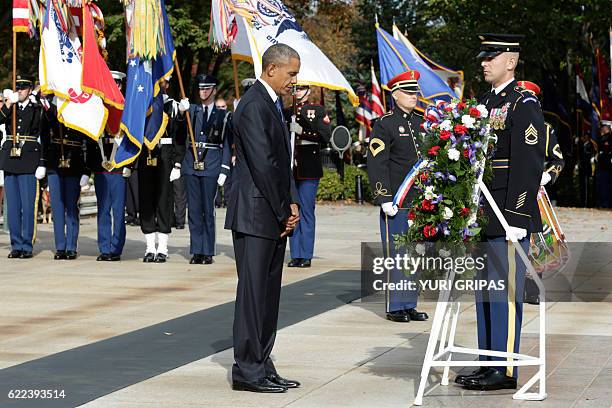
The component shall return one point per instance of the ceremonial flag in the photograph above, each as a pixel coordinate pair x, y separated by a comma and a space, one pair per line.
583, 104
377, 107
605, 89
60, 70
395, 58
21, 16
446, 74
595, 102
363, 116
270, 22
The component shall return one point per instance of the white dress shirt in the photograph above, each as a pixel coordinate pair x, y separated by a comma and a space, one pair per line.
502, 86
271, 91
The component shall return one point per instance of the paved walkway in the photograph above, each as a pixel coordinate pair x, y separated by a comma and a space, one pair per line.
88, 327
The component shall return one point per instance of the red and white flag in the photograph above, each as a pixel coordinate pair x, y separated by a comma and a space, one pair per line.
377, 107
21, 16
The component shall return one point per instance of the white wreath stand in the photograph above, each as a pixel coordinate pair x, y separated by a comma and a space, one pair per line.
447, 314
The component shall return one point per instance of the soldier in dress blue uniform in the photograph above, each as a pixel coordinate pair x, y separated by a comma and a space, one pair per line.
157, 169
67, 173
212, 128
394, 150
312, 130
110, 186
516, 118
23, 164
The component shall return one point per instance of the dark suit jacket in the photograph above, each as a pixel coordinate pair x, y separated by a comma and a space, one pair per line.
262, 183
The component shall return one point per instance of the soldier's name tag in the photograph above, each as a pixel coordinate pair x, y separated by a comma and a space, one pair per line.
498, 117
64, 163
402, 132
106, 165
15, 152
152, 161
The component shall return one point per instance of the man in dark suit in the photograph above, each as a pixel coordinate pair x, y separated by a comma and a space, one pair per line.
262, 211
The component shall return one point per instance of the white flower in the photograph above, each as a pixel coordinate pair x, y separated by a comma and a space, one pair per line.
472, 219
429, 192
446, 125
452, 105
444, 253
448, 213
453, 154
420, 249
410, 222
468, 121
483, 111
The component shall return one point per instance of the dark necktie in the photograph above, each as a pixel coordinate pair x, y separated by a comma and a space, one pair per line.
279, 107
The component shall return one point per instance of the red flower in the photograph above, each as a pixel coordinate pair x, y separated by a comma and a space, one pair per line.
424, 177
464, 211
460, 106
460, 129
475, 113
448, 109
433, 151
411, 215
466, 153
427, 205
445, 135
430, 231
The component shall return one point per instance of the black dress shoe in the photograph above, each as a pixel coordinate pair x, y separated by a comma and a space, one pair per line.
160, 258
149, 257
60, 254
416, 315
460, 379
180, 227
493, 379
400, 316
196, 259
14, 254
208, 259
263, 385
26, 255
294, 263
283, 382
114, 257
305, 263
71, 255
103, 257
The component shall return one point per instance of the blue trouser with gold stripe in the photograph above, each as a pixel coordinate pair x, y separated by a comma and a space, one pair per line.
301, 242
65, 192
390, 226
21, 206
499, 313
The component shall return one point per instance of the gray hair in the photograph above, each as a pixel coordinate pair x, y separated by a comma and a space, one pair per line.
278, 54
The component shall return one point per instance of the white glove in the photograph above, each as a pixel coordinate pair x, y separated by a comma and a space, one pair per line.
516, 234
84, 182
184, 105
389, 209
221, 179
546, 177
126, 172
175, 174
14, 97
6, 94
295, 128
40, 172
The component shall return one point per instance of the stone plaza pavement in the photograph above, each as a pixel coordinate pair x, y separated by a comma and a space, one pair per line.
129, 334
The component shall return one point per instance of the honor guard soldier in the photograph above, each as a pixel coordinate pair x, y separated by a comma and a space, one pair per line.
66, 174
23, 163
394, 150
110, 187
312, 130
206, 165
517, 121
157, 169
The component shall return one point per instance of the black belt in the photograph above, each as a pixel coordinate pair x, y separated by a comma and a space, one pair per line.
67, 142
22, 138
204, 145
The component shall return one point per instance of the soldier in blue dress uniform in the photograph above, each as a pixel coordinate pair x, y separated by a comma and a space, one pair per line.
23, 164
212, 129
67, 173
394, 150
516, 118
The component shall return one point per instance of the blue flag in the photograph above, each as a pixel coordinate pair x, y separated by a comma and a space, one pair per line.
395, 58
144, 120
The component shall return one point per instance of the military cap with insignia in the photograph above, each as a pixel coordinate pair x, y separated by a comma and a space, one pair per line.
491, 45
206, 81
406, 81
23, 82
529, 86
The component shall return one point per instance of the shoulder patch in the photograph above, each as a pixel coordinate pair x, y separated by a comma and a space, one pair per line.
376, 146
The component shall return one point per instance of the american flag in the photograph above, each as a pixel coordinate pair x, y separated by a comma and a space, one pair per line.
377, 107
363, 116
21, 16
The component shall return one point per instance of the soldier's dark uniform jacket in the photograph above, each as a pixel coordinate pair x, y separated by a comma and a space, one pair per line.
57, 138
93, 157
28, 132
394, 150
213, 142
516, 118
554, 157
316, 129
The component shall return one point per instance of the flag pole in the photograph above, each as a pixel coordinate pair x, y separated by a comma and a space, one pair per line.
384, 99
14, 124
236, 87
182, 89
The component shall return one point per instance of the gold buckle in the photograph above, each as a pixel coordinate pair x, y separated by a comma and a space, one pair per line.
64, 163
15, 152
108, 166
198, 165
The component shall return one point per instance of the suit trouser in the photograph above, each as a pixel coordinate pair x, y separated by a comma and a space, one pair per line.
390, 226
65, 192
180, 201
301, 243
155, 196
21, 198
110, 194
132, 206
201, 201
499, 313
259, 262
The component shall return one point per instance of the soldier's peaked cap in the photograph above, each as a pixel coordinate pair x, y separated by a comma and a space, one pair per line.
491, 45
